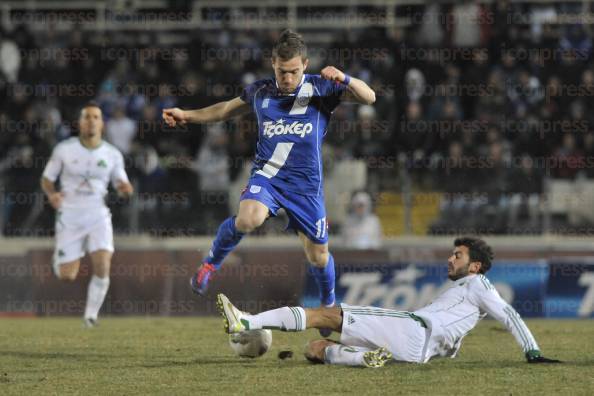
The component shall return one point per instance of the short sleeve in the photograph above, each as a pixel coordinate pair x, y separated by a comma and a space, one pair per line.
54, 165
118, 173
247, 95
331, 92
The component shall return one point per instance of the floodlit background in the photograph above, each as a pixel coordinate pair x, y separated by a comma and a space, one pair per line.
483, 125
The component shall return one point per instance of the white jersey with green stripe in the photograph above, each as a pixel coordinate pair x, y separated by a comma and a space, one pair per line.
458, 310
85, 173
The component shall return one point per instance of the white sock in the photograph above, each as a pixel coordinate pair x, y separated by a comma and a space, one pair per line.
344, 354
95, 296
284, 319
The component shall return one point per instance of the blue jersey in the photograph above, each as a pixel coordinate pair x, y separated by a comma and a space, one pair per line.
291, 128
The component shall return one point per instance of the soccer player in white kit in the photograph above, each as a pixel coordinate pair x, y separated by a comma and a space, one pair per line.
373, 336
85, 165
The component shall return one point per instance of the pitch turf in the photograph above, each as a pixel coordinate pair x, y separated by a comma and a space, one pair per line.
191, 355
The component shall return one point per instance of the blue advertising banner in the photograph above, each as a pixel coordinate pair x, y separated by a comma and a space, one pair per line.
411, 286
570, 290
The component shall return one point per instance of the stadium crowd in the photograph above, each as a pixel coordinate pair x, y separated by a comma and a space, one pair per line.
480, 105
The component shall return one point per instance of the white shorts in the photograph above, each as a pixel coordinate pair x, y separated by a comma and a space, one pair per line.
79, 231
372, 328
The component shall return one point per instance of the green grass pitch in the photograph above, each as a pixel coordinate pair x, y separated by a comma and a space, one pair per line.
191, 355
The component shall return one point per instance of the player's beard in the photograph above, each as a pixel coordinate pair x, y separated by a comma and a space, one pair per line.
286, 90
459, 273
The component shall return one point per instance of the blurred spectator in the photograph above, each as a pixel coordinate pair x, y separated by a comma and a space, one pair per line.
362, 228
431, 31
10, 58
20, 183
440, 114
576, 41
121, 130
212, 160
415, 85
212, 166
494, 173
466, 30
567, 160
151, 179
525, 187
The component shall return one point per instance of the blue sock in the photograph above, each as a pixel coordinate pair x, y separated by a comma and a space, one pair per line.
325, 278
227, 238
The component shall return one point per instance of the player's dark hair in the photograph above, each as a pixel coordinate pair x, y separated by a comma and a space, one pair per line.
478, 250
90, 103
289, 45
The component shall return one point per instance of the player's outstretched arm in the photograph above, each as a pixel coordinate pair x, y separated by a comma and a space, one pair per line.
357, 90
218, 112
489, 300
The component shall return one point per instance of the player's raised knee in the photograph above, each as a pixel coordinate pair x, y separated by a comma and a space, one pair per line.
67, 276
248, 223
69, 271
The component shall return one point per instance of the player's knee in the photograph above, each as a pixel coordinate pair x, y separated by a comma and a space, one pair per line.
101, 270
68, 271
318, 257
67, 276
248, 223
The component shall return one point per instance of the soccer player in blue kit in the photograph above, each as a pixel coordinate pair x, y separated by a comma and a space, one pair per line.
293, 110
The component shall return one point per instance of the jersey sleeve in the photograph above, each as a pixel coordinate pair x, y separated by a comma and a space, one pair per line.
488, 299
331, 92
248, 93
54, 165
118, 173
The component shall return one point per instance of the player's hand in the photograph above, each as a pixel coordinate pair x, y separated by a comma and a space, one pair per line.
55, 199
332, 73
536, 357
124, 189
174, 116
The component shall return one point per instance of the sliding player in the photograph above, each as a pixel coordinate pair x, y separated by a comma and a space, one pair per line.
373, 336
85, 165
293, 110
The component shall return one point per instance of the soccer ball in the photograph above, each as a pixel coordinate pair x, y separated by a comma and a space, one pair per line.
251, 343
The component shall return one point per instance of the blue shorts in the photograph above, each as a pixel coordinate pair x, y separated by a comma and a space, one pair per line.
306, 213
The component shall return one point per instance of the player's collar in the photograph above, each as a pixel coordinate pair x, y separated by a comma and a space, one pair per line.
296, 89
465, 279
90, 148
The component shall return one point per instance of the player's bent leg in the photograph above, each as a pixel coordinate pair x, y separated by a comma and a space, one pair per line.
324, 318
68, 271
251, 215
317, 254
98, 286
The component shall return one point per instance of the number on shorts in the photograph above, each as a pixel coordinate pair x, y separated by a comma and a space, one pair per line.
321, 228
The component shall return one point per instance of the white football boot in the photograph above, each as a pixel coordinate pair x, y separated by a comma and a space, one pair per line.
377, 358
232, 316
